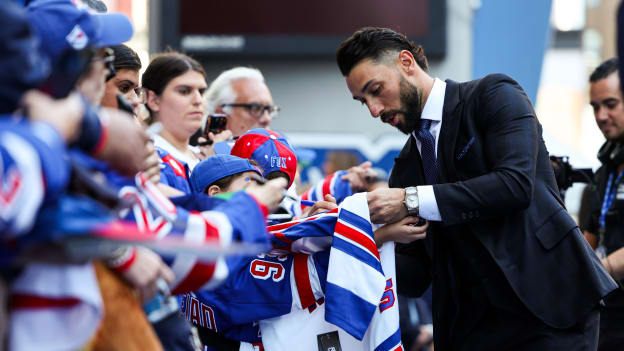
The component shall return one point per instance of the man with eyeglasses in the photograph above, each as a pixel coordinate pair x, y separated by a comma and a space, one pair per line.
242, 95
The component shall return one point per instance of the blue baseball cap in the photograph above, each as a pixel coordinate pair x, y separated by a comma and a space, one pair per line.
216, 167
23, 66
270, 149
69, 25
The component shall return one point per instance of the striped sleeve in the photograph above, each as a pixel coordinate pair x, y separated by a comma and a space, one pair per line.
332, 185
32, 169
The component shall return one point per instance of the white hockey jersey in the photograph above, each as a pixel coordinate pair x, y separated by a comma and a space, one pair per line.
302, 327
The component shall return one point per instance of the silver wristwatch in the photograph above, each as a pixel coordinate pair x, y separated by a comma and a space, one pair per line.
411, 200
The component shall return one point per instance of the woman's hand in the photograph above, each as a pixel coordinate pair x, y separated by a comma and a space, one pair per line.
208, 150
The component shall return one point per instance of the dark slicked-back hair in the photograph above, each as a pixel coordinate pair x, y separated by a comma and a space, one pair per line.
375, 43
126, 58
604, 70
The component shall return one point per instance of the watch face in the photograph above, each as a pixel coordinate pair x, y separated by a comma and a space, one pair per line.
411, 202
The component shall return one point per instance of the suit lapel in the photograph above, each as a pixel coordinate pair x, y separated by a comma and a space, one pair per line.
448, 133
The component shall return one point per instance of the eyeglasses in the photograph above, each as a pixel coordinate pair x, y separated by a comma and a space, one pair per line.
257, 110
140, 93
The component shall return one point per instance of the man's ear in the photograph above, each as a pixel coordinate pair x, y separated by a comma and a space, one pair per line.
213, 190
406, 62
153, 101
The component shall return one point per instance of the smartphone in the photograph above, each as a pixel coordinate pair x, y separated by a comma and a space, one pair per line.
217, 123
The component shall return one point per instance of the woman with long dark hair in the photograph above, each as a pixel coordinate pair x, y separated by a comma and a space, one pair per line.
174, 84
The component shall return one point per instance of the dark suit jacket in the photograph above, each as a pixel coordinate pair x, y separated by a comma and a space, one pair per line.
496, 183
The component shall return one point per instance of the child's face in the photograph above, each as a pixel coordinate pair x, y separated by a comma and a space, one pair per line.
240, 182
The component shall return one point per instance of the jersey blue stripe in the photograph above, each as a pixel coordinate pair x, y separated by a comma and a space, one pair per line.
356, 221
390, 342
357, 253
339, 300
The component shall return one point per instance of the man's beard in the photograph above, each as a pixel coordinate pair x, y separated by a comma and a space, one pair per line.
411, 106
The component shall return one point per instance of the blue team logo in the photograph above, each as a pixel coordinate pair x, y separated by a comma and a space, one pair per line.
387, 299
264, 269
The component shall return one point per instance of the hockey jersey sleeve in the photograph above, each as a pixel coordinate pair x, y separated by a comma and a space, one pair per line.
33, 171
332, 185
173, 172
238, 219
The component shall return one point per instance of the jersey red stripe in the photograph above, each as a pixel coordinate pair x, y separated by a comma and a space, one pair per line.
326, 184
199, 275
21, 301
302, 279
362, 239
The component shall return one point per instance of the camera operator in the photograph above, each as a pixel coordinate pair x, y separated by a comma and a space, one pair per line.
605, 226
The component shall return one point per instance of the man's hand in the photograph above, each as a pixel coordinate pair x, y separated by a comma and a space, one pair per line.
386, 205
269, 194
144, 273
125, 150
64, 115
208, 150
402, 231
360, 176
320, 206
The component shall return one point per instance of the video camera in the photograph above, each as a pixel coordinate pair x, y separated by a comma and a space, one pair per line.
566, 175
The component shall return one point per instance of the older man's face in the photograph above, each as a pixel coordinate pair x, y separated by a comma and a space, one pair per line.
240, 118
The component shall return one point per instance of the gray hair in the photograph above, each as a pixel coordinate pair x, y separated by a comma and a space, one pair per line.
220, 90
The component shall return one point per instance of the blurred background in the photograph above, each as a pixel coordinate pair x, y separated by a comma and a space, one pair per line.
549, 46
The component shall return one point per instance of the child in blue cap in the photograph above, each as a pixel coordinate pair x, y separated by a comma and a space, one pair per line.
222, 174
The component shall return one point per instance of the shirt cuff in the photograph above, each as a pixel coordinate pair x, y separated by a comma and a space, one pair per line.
427, 204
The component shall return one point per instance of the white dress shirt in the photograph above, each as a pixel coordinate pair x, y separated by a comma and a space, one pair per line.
427, 204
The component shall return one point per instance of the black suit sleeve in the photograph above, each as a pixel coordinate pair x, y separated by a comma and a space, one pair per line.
509, 130
413, 268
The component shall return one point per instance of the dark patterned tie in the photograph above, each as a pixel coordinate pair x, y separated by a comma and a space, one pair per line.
427, 150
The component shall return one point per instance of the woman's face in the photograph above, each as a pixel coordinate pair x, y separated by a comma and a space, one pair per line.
181, 105
124, 82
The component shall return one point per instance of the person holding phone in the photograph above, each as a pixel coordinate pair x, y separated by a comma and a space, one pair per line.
213, 131
175, 84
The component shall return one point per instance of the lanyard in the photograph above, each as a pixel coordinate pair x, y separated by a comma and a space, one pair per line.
609, 196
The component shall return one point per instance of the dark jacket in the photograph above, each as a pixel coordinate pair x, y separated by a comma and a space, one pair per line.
496, 184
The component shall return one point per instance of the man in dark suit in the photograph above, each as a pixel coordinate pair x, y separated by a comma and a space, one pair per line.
509, 267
